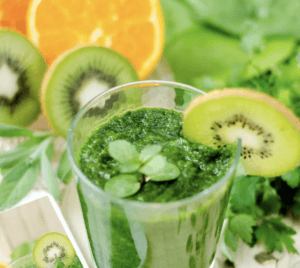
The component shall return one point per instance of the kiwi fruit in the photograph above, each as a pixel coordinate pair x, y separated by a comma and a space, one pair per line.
52, 246
79, 75
21, 71
269, 131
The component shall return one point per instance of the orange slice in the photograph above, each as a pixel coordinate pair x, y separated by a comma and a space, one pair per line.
13, 14
3, 265
134, 28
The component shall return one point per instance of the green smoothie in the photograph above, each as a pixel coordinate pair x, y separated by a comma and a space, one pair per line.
152, 232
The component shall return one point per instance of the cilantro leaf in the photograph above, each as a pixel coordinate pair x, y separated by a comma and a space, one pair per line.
243, 195
241, 225
230, 238
292, 178
274, 233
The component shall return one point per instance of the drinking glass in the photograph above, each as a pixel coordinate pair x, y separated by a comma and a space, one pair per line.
124, 233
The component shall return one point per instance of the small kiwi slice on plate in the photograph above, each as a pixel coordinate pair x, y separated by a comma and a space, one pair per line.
269, 131
78, 76
22, 68
52, 246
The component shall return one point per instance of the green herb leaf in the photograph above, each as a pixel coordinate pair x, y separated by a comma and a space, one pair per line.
149, 151
243, 195
49, 176
122, 185
292, 178
242, 226
169, 172
230, 239
17, 184
22, 250
154, 165
59, 264
130, 167
224, 248
64, 172
274, 233
122, 151
9, 131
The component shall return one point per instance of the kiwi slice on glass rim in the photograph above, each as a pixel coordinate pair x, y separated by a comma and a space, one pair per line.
78, 76
53, 246
21, 71
269, 131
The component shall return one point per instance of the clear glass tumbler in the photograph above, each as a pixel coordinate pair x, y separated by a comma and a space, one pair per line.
24, 262
124, 233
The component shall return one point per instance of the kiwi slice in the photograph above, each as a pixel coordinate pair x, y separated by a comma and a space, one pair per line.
79, 75
21, 71
269, 131
52, 246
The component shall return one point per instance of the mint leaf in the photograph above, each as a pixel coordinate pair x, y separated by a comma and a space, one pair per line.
59, 264
149, 151
9, 131
292, 178
224, 249
122, 185
64, 172
122, 151
169, 172
17, 184
241, 225
49, 176
130, 167
274, 233
154, 165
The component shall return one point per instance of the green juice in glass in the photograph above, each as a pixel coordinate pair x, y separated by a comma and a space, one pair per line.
166, 224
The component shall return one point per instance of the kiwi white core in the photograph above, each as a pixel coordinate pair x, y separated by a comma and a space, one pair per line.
8, 82
89, 90
54, 251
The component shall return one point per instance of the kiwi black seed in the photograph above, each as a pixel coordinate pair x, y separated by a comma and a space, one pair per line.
240, 121
53, 246
78, 76
269, 131
21, 71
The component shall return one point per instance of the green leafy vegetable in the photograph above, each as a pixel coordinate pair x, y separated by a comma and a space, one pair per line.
49, 176
154, 165
9, 131
139, 165
123, 151
123, 185
148, 152
64, 171
169, 172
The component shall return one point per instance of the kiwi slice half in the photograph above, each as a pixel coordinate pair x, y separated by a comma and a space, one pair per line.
21, 71
52, 246
78, 76
269, 131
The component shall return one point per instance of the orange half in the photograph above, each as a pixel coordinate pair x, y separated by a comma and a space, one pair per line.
134, 28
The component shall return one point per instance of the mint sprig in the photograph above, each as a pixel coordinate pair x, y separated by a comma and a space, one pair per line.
20, 167
148, 163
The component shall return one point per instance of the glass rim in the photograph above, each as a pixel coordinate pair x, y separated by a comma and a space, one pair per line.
138, 204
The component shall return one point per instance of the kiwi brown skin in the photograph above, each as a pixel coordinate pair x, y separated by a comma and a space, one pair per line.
269, 131
53, 70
